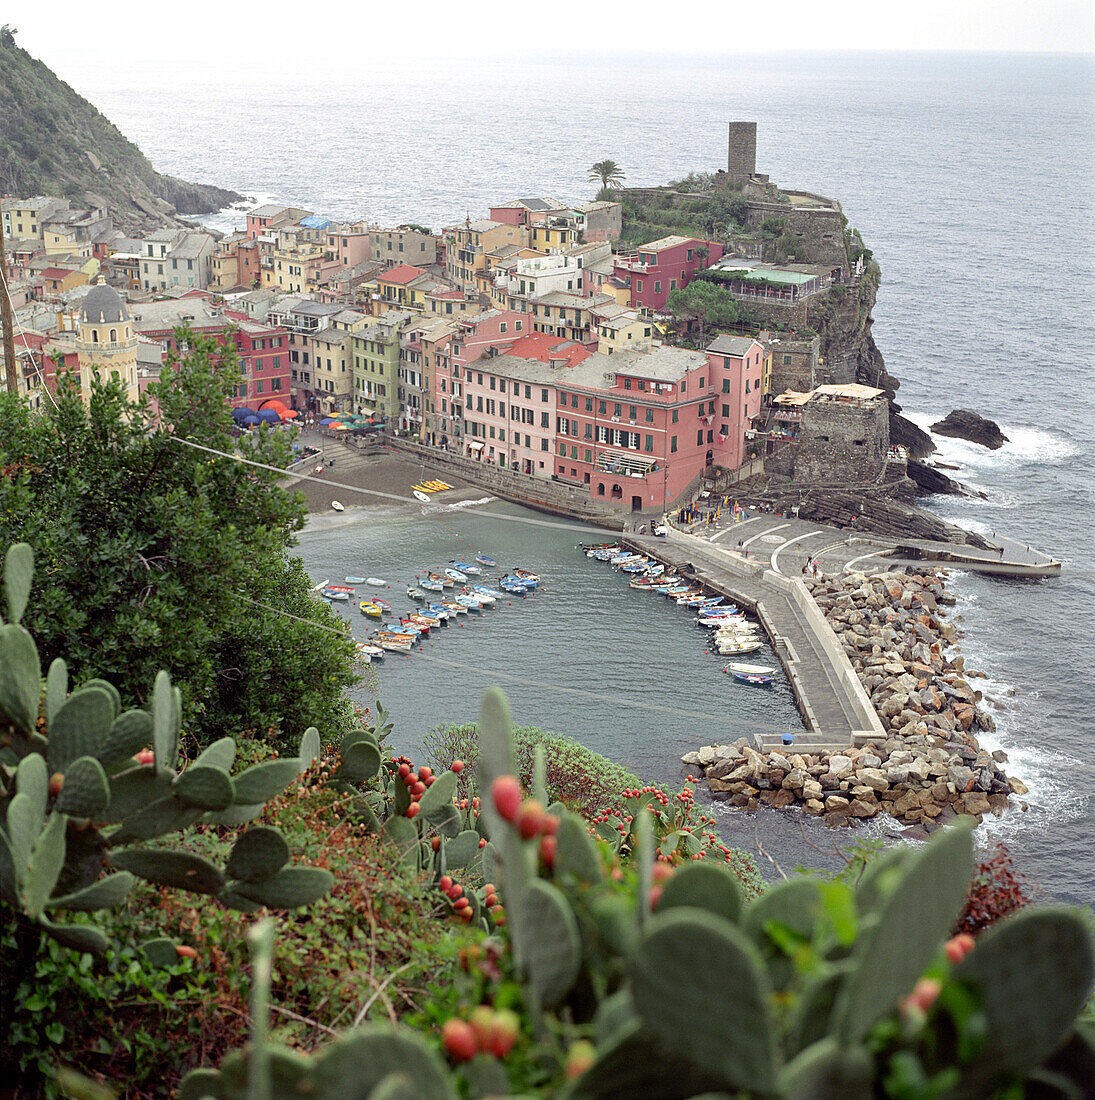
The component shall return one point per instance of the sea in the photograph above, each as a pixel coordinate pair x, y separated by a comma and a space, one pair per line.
971, 178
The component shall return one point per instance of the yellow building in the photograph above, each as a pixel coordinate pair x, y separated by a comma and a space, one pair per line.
625, 332
106, 341
549, 237
468, 245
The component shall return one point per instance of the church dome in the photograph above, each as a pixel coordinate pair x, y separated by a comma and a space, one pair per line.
103, 305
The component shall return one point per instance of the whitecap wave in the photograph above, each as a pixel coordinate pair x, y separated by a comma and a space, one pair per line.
460, 504
1025, 446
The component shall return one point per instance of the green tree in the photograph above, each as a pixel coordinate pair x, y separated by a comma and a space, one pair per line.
608, 172
153, 554
704, 303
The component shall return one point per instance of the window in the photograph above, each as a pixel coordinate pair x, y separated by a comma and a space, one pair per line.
657, 286
492, 431
543, 395
640, 289
672, 284
574, 454
786, 360
699, 437
589, 431
479, 404
544, 420
627, 383
600, 489
528, 393
675, 416
632, 412
277, 361
258, 386
690, 253
501, 435
502, 409
543, 446
502, 326
589, 404
275, 384
710, 437
747, 385
113, 335
574, 400
726, 385
502, 385
726, 410
617, 409
673, 444
650, 416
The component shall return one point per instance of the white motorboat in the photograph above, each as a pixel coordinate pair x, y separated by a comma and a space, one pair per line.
456, 575
376, 582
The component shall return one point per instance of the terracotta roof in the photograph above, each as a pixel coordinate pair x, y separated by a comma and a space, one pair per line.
56, 272
546, 348
401, 274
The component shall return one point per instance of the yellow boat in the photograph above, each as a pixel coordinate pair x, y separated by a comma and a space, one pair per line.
371, 610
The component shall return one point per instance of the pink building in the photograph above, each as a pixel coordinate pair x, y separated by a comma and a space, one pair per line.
510, 402
654, 270
636, 429
348, 244
475, 336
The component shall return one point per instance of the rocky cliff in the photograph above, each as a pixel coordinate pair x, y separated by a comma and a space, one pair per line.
54, 142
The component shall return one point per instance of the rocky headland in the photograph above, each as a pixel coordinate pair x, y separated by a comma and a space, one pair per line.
929, 769
54, 142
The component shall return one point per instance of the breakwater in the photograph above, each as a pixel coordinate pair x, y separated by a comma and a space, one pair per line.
928, 767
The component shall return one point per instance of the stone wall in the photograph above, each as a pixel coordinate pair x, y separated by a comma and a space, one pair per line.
821, 227
800, 373
842, 442
741, 155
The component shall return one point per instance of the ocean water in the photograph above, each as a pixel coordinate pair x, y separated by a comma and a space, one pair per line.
970, 176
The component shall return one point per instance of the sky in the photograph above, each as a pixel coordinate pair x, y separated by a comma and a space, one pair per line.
343, 33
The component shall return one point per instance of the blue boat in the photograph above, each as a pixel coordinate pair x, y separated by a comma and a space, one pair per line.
355, 580
463, 566
487, 560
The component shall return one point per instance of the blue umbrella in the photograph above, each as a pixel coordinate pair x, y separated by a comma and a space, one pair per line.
328, 420
242, 414
270, 416
251, 419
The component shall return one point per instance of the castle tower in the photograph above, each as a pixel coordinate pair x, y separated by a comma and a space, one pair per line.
107, 342
741, 160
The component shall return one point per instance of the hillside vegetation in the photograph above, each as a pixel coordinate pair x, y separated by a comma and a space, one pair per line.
54, 142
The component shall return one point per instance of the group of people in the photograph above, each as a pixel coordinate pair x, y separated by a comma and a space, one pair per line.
810, 569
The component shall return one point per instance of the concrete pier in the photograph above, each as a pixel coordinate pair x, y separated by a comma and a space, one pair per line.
834, 707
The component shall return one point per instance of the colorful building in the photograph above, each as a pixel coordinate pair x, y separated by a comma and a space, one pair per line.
655, 270
376, 365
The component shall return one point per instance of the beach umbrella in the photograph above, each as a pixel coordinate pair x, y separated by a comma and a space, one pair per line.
251, 419
270, 416
241, 414
338, 427
327, 421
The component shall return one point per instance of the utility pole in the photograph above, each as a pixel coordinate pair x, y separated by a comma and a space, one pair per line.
5, 318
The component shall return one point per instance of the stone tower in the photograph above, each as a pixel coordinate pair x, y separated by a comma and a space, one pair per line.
741, 160
107, 343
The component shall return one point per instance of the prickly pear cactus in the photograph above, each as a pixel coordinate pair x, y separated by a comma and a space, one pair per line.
83, 794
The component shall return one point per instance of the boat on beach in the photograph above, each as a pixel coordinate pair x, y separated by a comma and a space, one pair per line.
338, 506
419, 495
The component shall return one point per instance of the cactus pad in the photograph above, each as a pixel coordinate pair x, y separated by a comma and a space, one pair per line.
265, 780
80, 727
576, 852
552, 949
290, 888
259, 853
208, 788
130, 732
103, 894
18, 574
20, 678
688, 961
703, 885
182, 870
86, 792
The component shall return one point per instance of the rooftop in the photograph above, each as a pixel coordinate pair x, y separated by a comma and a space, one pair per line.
530, 204
401, 274
666, 242
731, 345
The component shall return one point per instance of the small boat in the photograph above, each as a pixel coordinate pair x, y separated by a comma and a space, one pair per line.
425, 620
456, 575
321, 586
487, 560
514, 584
331, 594
340, 588
355, 580
455, 608
419, 495
485, 598
483, 590
397, 643
733, 649
751, 674
470, 602
438, 611
437, 578
417, 595
413, 627
382, 604
527, 575
369, 653
371, 610
431, 586
376, 582
338, 506
471, 570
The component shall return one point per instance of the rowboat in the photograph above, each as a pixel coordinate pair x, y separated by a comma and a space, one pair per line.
338, 506
751, 674
355, 580
487, 560
417, 595
456, 608
382, 604
427, 620
397, 643
340, 588
321, 586
331, 594
371, 610
483, 590
470, 602
531, 579
514, 584
414, 628
456, 575
438, 611
486, 599
733, 649
368, 652
437, 578
376, 582
471, 570
432, 586
419, 495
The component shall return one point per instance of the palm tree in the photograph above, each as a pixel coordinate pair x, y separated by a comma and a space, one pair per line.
608, 172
